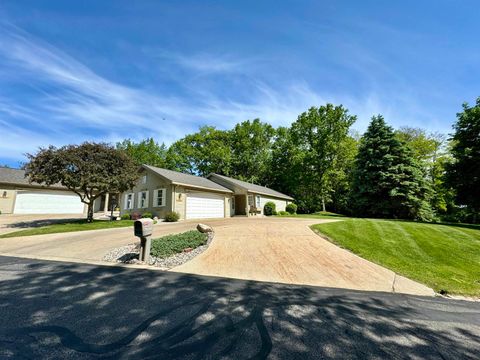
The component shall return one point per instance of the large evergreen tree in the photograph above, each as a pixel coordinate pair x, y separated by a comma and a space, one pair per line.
464, 172
387, 181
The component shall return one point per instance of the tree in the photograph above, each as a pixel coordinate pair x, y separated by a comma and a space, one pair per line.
387, 180
430, 151
202, 153
90, 170
464, 172
251, 143
318, 135
147, 151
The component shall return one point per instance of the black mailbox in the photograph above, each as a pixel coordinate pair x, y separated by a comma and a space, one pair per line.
143, 227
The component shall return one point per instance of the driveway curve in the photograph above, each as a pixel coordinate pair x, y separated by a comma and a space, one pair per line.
286, 250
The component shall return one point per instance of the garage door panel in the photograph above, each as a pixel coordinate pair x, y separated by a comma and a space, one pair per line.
36, 202
205, 205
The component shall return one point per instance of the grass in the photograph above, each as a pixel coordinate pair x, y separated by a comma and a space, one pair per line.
172, 244
317, 215
68, 226
445, 257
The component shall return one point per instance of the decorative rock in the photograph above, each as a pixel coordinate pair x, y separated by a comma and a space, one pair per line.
129, 255
204, 228
187, 249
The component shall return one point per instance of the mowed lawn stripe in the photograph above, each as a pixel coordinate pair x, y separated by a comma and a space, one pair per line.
444, 257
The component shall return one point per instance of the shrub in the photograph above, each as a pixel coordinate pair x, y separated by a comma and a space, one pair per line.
291, 208
172, 216
283, 213
125, 217
269, 208
173, 244
147, 214
135, 215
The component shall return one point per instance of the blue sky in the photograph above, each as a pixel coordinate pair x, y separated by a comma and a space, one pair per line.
72, 71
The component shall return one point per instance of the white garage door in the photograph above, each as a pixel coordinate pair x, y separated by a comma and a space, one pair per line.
205, 205
38, 202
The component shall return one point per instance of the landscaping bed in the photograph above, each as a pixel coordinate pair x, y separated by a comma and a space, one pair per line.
445, 257
166, 252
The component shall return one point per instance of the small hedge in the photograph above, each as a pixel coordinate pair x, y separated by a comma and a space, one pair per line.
125, 217
283, 213
172, 216
269, 209
147, 215
173, 244
291, 208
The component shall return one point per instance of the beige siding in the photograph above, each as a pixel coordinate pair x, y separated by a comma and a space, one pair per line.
7, 200
153, 183
279, 203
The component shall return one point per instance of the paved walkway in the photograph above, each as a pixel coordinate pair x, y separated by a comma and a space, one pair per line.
279, 250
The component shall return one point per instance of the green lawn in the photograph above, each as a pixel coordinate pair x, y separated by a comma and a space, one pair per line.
442, 256
172, 244
68, 226
317, 215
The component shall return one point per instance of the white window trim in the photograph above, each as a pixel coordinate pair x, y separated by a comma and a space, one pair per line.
258, 202
164, 197
125, 206
140, 199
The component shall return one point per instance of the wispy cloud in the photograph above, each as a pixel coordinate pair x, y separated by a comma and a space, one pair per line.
71, 103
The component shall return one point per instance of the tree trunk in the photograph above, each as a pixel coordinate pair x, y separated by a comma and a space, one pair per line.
90, 212
323, 204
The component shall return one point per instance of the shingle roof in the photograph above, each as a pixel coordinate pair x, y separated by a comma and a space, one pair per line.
17, 177
179, 178
253, 188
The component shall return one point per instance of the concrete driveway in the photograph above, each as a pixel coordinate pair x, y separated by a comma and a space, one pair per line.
282, 250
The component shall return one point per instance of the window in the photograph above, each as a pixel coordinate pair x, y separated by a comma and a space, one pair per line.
144, 179
159, 197
257, 203
143, 199
129, 201
250, 200
233, 203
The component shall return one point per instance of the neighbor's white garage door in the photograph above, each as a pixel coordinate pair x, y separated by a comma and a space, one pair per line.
205, 205
40, 202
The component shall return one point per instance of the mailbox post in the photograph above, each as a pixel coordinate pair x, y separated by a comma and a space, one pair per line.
143, 228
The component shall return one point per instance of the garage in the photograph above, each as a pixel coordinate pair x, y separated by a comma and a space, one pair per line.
205, 205
43, 202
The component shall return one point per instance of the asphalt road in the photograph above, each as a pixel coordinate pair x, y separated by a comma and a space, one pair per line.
75, 311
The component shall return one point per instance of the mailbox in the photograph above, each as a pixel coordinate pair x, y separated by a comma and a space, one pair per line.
143, 227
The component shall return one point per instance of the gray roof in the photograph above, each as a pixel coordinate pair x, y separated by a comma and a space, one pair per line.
179, 178
253, 188
17, 177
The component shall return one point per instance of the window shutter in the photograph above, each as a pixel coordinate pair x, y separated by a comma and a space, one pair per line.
125, 202
146, 199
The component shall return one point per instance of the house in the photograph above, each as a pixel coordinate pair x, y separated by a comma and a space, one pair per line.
160, 191
19, 196
249, 199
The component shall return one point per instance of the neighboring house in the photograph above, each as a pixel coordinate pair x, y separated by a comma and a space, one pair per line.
249, 199
18, 196
160, 191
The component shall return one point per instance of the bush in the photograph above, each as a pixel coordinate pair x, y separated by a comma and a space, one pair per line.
283, 213
172, 216
173, 244
125, 217
291, 208
269, 209
135, 215
147, 214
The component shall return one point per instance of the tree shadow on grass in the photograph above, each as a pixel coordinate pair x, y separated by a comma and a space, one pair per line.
61, 310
